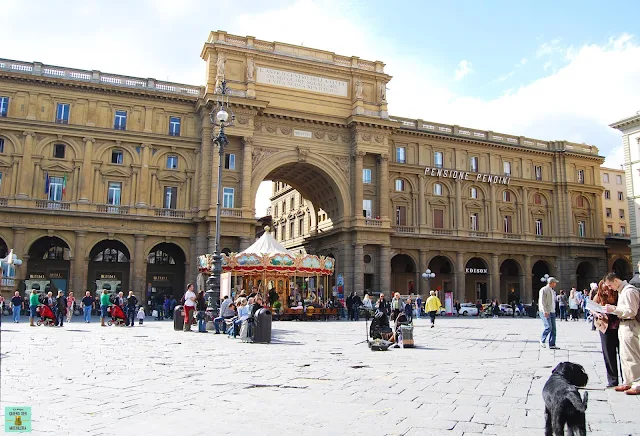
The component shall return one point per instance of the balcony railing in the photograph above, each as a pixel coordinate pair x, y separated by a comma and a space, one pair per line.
62, 121
405, 229
173, 213
48, 204
475, 234
372, 222
227, 211
117, 127
442, 232
109, 208
8, 282
511, 236
619, 235
543, 238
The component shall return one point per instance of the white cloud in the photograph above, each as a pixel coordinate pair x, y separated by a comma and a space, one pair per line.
464, 69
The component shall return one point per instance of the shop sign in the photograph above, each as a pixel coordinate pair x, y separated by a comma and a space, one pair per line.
160, 278
464, 175
56, 275
37, 276
108, 277
476, 271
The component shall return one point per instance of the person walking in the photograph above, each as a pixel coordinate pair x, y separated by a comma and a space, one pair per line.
16, 305
189, 306
104, 305
495, 308
71, 301
547, 313
418, 306
87, 306
61, 304
607, 325
432, 306
33, 305
132, 302
628, 332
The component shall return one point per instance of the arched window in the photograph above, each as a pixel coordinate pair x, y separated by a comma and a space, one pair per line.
111, 255
160, 257
537, 198
580, 201
437, 189
54, 253
506, 196
473, 193
399, 185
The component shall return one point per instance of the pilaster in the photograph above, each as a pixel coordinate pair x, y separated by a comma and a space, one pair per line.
422, 202
26, 166
460, 285
139, 268
247, 167
527, 293
383, 186
385, 269
78, 278
86, 181
143, 191
495, 277
358, 157
358, 269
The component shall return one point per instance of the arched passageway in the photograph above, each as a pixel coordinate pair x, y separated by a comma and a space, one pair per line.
108, 267
48, 266
510, 281
165, 273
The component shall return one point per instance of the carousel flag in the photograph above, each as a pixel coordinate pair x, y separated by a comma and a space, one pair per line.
46, 183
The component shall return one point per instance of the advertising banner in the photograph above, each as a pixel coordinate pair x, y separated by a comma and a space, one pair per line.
448, 303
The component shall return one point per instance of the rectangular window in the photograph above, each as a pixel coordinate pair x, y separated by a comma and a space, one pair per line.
62, 113
1, 145
291, 229
283, 235
4, 106
275, 210
474, 222
438, 219
275, 233
610, 230
116, 157
229, 161
172, 162
58, 151
539, 230
623, 230
621, 212
300, 226
401, 155
293, 203
618, 180
605, 177
580, 176
174, 126
367, 206
284, 207
437, 159
170, 197
55, 188
474, 193
437, 189
507, 168
582, 229
113, 194
538, 172
401, 216
506, 196
227, 197
120, 120
608, 211
366, 176
399, 185
620, 196
507, 224
473, 164
607, 194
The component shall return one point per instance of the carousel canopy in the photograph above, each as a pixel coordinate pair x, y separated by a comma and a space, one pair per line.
266, 244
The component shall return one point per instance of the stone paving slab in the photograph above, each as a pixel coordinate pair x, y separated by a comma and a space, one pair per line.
467, 376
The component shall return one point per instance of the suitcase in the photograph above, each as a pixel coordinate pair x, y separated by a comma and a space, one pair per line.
407, 336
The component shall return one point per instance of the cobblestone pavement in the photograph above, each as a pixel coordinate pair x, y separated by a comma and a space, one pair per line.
466, 377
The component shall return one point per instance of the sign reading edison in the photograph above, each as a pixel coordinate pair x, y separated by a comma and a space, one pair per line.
305, 82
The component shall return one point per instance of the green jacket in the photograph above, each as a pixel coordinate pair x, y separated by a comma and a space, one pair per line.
104, 300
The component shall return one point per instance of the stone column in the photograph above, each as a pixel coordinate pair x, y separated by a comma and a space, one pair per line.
193, 256
86, 182
458, 215
385, 269
422, 282
211, 244
139, 266
20, 251
79, 271
422, 220
460, 278
525, 210
247, 167
494, 210
144, 180
383, 185
148, 119
358, 268
34, 187
26, 166
528, 285
357, 183
245, 242
495, 277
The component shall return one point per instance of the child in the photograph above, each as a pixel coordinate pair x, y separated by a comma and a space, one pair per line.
141, 315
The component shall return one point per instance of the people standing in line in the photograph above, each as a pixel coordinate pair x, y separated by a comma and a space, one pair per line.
71, 301
87, 306
33, 305
562, 302
104, 305
547, 314
189, 307
349, 302
16, 305
141, 315
573, 305
432, 306
396, 306
628, 332
418, 306
61, 304
132, 302
408, 309
608, 325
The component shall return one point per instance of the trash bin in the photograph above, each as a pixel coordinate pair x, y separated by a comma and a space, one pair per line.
178, 318
210, 315
262, 328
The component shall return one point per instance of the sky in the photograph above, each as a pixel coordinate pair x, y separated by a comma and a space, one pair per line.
542, 69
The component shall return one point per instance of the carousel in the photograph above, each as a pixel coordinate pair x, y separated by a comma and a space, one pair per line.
293, 284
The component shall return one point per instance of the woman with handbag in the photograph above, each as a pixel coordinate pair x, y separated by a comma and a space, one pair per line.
607, 325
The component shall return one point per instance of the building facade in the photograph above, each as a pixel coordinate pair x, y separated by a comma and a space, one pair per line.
111, 180
615, 208
630, 128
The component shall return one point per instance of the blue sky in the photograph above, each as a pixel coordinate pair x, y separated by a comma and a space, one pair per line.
547, 70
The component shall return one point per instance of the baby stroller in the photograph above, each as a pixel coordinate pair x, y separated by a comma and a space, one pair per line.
47, 317
403, 331
380, 326
117, 314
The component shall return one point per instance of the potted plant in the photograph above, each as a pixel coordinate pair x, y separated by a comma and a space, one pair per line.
277, 306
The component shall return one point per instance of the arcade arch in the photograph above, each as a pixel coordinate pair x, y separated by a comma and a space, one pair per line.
510, 281
109, 262
585, 274
4, 248
48, 268
442, 267
403, 275
476, 280
538, 271
621, 267
165, 272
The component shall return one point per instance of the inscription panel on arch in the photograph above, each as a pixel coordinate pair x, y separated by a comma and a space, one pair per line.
304, 82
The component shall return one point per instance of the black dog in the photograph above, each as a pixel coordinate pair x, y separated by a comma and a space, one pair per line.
563, 405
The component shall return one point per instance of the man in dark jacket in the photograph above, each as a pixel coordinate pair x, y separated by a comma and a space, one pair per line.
349, 303
383, 305
356, 302
132, 301
61, 304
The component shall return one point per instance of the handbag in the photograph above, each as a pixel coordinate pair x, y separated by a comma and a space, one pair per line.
154, 313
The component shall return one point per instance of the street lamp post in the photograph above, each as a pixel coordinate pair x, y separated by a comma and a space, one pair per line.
544, 278
428, 275
219, 117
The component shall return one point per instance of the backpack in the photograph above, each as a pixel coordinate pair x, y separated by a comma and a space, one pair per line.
628, 286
